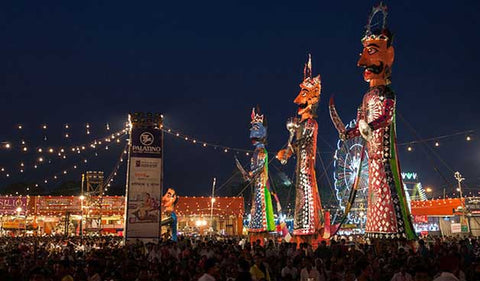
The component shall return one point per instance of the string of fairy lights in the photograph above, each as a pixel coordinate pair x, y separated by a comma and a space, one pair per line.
45, 156
111, 178
201, 143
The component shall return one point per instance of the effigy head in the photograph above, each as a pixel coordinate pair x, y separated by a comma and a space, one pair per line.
309, 95
258, 131
169, 199
378, 53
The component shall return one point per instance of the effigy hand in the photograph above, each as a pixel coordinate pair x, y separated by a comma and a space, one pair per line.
283, 155
365, 130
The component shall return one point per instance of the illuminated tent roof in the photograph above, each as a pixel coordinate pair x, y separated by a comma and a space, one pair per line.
223, 206
435, 207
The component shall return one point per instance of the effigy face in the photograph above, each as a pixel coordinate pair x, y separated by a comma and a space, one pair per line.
258, 131
169, 200
376, 59
309, 96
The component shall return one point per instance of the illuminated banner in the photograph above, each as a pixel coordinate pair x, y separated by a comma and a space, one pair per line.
58, 205
144, 179
9, 204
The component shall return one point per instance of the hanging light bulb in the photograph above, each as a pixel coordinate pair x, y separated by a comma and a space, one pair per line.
40, 159
7, 145
108, 127
469, 138
44, 126
87, 125
88, 132
50, 150
24, 148
67, 135
20, 126
409, 148
66, 126
437, 144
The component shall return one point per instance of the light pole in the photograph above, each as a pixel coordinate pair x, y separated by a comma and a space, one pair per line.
430, 191
81, 217
19, 210
212, 201
459, 179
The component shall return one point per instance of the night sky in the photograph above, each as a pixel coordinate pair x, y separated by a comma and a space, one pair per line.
205, 64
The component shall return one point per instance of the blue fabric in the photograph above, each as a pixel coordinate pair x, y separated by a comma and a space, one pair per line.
174, 226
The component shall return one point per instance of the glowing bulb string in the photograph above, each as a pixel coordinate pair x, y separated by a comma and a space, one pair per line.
42, 160
60, 151
204, 143
466, 133
116, 137
63, 172
427, 148
112, 175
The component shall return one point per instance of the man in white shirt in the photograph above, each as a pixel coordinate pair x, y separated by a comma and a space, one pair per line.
210, 270
309, 273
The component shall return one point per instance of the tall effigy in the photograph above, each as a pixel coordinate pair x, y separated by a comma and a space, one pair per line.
262, 220
387, 214
308, 216
169, 200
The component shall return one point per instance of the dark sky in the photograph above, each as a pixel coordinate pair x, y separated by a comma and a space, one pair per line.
205, 64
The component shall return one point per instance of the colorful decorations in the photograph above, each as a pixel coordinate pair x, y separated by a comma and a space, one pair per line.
169, 200
387, 215
262, 219
308, 217
346, 165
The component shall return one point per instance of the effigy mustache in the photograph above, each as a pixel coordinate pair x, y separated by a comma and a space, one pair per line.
377, 69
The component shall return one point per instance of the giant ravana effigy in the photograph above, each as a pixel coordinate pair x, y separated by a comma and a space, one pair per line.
308, 215
388, 215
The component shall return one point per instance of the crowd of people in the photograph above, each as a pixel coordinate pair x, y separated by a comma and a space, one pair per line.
229, 259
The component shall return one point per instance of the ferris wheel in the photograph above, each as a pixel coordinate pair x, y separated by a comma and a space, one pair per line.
346, 164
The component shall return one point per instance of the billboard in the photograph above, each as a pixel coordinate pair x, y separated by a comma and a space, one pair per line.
9, 204
144, 180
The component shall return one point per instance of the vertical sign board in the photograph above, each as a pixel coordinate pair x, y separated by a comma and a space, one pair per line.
144, 180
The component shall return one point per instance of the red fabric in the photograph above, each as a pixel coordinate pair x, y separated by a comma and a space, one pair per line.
435, 207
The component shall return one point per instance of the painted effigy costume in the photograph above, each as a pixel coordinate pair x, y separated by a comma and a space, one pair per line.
262, 219
308, 216
169, 200
388, 215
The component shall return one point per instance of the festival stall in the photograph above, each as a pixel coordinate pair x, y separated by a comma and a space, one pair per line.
204, 215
